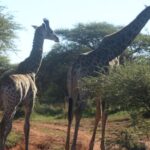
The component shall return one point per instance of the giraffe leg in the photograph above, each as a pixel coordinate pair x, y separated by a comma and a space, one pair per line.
97, 119
78, 115
70, 118
2, 132
5, 126
28, 111
1, 138
104, 119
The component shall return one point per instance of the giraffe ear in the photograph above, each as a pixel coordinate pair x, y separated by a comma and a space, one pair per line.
35, 27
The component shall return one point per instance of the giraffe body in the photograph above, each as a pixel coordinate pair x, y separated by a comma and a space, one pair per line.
21, 90
89, 64
18, 86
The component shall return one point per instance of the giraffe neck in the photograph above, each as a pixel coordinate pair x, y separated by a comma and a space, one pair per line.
33, 62
116, 43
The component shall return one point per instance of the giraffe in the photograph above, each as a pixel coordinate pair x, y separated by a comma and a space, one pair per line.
33, 62
18, 86
88, 64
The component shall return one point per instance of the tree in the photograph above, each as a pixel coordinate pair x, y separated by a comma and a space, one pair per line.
53, 72
91, 34
82, 38
138, 49
4, 64
8, 28
88, 34
52, 75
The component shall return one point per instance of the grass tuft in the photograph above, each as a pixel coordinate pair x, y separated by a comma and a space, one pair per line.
13, 139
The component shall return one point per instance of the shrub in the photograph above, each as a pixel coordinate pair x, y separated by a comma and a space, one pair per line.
126, 87
130, 141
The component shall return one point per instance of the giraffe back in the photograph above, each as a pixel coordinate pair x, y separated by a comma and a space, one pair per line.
18, 88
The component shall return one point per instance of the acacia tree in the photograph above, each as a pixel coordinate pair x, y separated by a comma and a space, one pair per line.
83, 37
52, 75
88, 35
53, 72
8, 28
91, 34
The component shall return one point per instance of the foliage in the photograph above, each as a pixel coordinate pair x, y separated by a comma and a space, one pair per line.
83, 37
53, 72
8, 32
91, 34
13, 139
44, 109
4, 64
140, 124
88, 35
8, 28
141, 44
126, 87
130, 141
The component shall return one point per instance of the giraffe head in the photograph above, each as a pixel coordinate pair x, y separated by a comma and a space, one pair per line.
147, 8
46, 31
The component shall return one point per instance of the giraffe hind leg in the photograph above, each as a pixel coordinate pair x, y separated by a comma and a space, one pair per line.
1, 137
28, 111
70, 118
77, 123
6, 125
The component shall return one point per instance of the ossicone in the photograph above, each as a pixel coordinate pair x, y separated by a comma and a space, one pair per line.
46, 21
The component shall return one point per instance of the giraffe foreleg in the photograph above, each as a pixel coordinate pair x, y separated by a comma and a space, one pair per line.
104, 119
97, 119
6, 126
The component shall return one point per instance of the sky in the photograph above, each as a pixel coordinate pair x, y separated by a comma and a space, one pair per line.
66, 14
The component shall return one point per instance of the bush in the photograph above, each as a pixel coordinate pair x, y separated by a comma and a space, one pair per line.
126, 87
45, 109
129, 141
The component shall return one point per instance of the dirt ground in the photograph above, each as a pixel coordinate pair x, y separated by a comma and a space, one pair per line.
51, 136
46, 136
